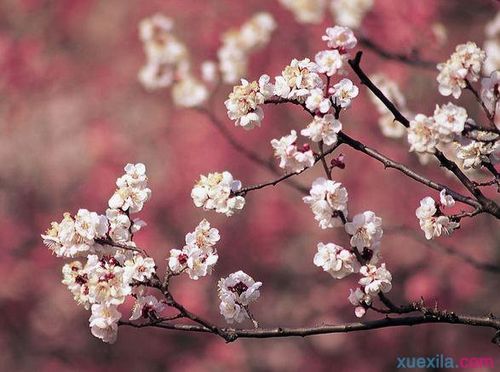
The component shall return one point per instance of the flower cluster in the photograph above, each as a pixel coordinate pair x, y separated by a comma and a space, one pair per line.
432, 220
239, 43
236, 293
109, 264
476, 153
464, 65
167, 63
348, 13
301, 82
292, 158
328, 201
335, 260
198, 257
216, 192
446, 125
492, 45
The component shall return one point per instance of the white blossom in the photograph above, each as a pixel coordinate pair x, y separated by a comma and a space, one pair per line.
365, 228
317, 101
359, 299
189, 92
75, 235
431, 223
204, 237
132, 190
422, 135
291, 158
446, 199
327, 198
155, 75
476, 153
104, 322
237, 44
343, 92
465, 63
335, 260
209, 72
140, 268
350, 13
340, 37
449, 120
215, 192
243, 105
329, 61
146, 306
297, 80
323, 128
306, 11
236, 292
375, 279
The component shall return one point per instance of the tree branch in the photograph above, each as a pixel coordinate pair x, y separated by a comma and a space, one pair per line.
488, 205
387, 322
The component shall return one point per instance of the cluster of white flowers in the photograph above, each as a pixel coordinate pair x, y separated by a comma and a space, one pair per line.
301, 82
388, 125
292, 159
113, 265
335, 260
446, 125
348, 13
475, 153
365, 230
323, 128
431, 219
306, 11
464, 64
239, 43
167, 63
198, 257
243, 104
327, 200
236, 293
216, 192
492, 45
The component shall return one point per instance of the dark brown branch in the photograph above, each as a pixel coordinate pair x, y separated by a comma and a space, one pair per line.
388, 163
488, 205
411, 60
245, 190
387, 322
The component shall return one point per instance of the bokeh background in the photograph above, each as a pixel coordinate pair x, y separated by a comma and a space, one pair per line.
72, 113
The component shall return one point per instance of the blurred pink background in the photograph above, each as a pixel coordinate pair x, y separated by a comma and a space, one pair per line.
72, 114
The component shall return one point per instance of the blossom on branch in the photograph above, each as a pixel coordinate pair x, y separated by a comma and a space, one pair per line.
323, 128
366, 230
292, 159
328, 200
236, 292
335, 260
215, 192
